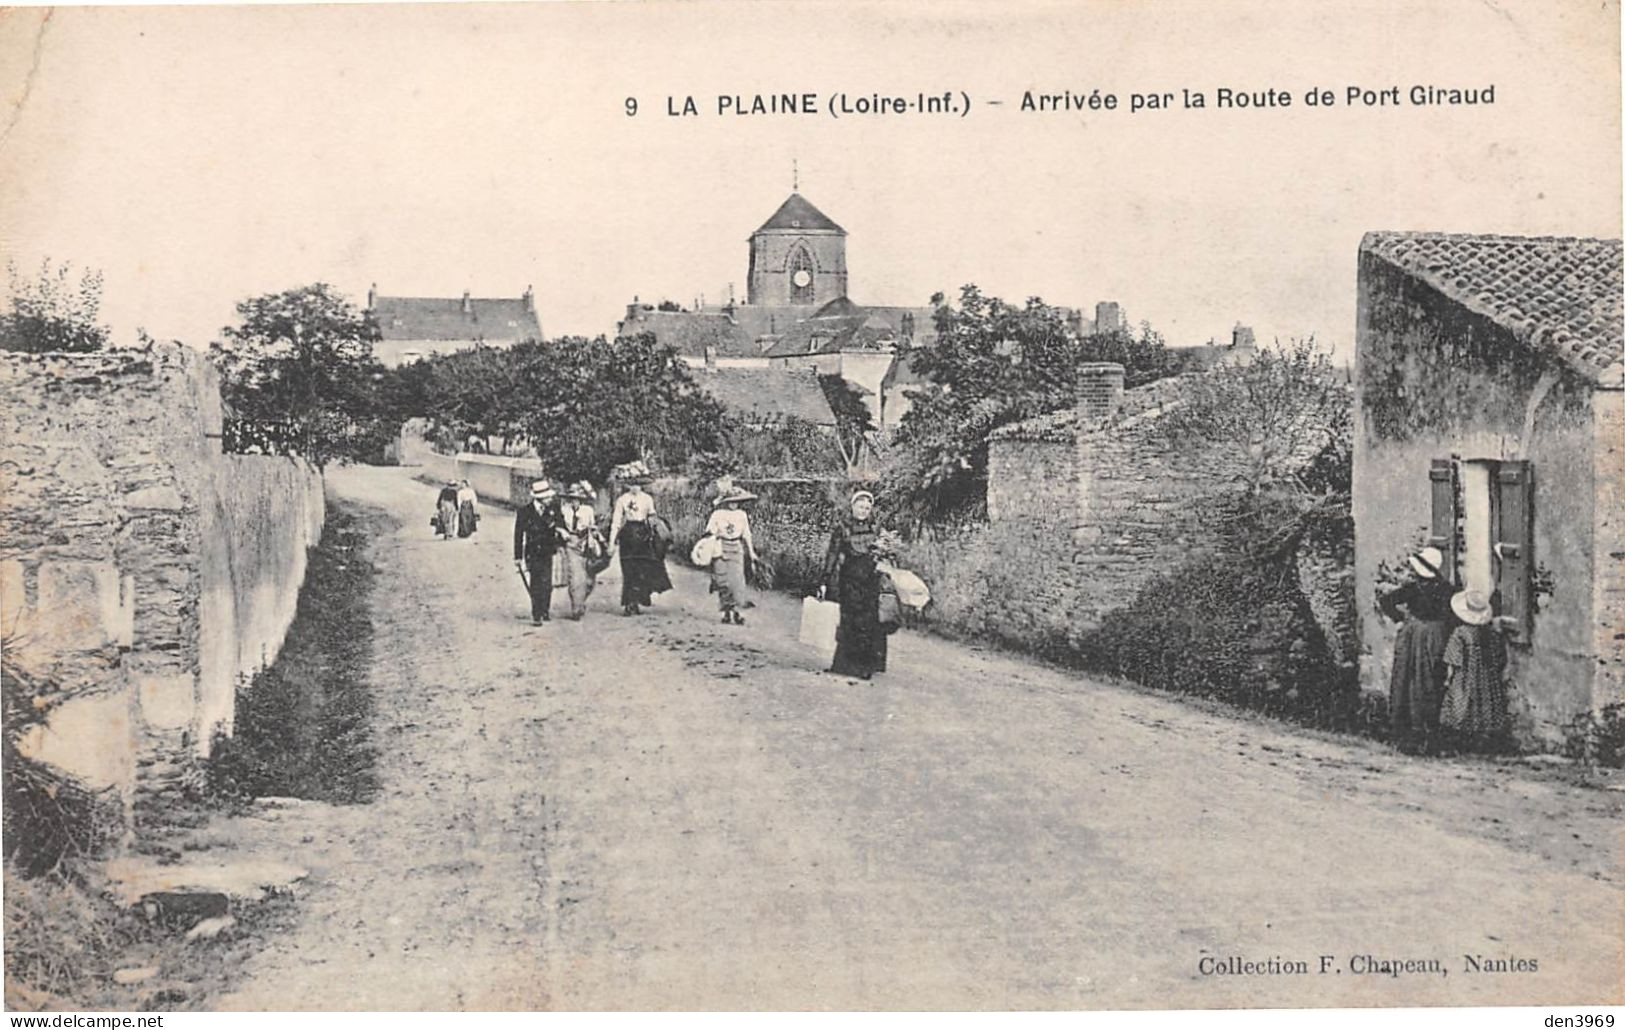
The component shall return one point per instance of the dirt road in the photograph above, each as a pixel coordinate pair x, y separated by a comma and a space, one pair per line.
665, 812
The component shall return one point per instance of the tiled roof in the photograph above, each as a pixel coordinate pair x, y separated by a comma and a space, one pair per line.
767, 395
1559, 295
833, 335
493, 320
796, 213
838, 307
690, 332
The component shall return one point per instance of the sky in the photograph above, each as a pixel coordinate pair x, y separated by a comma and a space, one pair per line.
201, 155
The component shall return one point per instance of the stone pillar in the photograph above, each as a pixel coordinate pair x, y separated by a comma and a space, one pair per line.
1100, 392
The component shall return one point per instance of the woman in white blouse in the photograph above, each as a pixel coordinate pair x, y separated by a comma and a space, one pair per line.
580, 534
731, 527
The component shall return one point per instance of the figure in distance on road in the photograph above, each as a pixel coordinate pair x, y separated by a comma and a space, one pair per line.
852, 578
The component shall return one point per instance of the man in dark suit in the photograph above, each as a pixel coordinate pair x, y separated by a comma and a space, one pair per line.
537, 531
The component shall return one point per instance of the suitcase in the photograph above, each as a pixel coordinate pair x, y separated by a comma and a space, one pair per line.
818, 622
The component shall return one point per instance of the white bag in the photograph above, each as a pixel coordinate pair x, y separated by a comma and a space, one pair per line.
818, 622
911, 589
707, 549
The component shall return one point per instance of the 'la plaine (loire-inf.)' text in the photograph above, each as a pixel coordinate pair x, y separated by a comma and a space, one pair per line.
957, 103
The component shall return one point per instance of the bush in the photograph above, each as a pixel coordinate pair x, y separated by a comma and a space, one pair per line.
48, 817
301, 726
790, 523
1232, 628
1597, 738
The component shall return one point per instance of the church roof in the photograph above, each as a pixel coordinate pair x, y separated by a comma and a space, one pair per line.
832, 335
837, 307
450, 318
797, 213
1557, 295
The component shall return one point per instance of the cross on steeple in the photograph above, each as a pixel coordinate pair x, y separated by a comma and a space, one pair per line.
795, 177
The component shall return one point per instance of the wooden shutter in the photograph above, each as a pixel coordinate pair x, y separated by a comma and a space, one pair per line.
1513, 530
1442, 534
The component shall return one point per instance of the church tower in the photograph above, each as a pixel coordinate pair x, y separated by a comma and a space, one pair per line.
797, 257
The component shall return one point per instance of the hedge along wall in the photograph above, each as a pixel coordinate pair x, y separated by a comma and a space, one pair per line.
790, 523
127, 532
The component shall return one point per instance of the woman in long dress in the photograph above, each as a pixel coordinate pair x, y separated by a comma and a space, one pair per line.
468, 516
731, 527
1416, 682
643, 567
580, 539
1474, 713
850, 576
446, 511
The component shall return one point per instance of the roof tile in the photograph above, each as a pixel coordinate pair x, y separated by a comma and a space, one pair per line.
1561, 295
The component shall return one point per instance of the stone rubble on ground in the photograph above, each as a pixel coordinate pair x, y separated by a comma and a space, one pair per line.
210, 928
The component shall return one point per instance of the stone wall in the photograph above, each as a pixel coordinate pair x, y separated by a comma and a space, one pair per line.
1608, 587
496, 479
1084, 507
142, 571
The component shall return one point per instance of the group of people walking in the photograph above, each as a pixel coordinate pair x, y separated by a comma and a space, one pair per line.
456, 511
558, 542
1448, 685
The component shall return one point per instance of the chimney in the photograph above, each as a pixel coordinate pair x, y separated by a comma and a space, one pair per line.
1100, 391
468, 303
1109, 317
530, 299
1241, 337
372, 297
710, 357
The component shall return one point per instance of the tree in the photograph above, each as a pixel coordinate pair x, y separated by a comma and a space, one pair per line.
1283, 411
298, 373
50, 313
593, 404
1290, 413
992, 364
854, 424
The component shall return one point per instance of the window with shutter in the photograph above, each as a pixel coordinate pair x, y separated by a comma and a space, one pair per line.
1512, 514
1442, 530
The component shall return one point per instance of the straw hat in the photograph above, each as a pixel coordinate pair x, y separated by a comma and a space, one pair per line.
580, 491
1427, 562
1472, 607
542, 490
733, 495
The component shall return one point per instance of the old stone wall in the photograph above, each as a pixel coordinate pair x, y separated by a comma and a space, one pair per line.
1608, 588
141, 568
1080, 516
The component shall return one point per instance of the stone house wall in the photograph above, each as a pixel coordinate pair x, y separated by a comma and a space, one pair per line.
1436, 381
142, 571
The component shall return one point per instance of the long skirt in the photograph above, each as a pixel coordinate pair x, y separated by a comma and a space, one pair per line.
448, 519
860, 640
1416, 684
728, 575
643, 573
466, 519
576, 579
